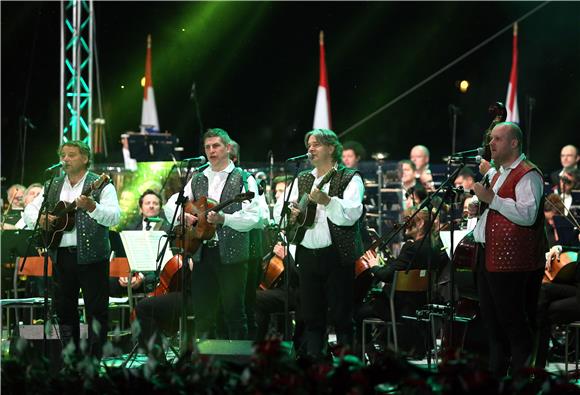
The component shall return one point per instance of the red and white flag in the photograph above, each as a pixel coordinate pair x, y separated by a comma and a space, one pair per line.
322, 109
511, 100
149, 120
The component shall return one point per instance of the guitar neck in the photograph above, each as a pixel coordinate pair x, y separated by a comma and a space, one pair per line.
221, 206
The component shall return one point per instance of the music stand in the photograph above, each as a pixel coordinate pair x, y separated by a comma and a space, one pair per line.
567, 233
152, 147
15, 244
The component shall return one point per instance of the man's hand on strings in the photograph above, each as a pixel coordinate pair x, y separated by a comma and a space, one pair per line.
215, 218
86, 203
46, 223
190, 219
319, 197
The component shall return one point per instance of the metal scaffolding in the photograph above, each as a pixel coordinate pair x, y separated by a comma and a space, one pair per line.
76, 76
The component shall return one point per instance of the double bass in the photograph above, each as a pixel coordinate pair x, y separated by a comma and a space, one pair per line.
465, 255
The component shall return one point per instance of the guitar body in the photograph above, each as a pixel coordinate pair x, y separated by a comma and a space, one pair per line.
305, 220
203, 230
65, 214
64, 222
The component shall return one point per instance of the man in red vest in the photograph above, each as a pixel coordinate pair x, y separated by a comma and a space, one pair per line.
512, 245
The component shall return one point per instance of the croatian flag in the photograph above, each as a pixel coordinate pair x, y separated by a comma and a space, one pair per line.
149, 120
511, 100
322, 109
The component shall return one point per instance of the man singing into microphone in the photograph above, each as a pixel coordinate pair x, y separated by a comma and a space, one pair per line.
328, 251
81, 261
221, 264
511, 254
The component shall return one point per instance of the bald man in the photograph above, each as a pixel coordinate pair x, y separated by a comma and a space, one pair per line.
512, 242
569, 159
420, 157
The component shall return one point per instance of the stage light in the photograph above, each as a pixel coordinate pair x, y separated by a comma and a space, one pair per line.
122, 86
182, 29
143, 82
463, 86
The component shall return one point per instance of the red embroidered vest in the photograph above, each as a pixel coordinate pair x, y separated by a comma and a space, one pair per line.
510, 247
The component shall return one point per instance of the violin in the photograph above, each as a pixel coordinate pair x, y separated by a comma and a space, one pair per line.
273, 270
562, 269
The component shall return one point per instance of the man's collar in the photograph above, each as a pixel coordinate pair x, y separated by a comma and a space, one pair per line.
513, 165
314, 171
81, 181
229, 168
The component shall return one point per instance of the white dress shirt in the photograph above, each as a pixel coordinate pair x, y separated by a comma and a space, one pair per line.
524, 210
106, 212
242, 220
341, 212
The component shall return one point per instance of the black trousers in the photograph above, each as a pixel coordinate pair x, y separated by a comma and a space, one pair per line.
157, 315
214, 283
326, 297
508, 302
558, 304
93, 279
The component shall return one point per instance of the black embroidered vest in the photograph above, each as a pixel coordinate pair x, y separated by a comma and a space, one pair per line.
346, 239
92, 238
234, 246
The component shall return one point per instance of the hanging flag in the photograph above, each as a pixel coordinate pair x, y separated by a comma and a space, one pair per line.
322, 109
149, 121
511, 100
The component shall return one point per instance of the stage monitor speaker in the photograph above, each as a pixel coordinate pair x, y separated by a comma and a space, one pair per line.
240, 351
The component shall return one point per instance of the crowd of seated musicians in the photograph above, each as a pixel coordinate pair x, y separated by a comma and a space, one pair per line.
558, 303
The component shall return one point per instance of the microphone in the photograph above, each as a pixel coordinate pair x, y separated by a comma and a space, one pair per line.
300, 157
464, 160
153, 219
478, 151
55, 166
200, 168
201, 159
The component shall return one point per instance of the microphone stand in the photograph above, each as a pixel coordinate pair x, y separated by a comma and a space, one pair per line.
45, 243
193, 96
286, 261
448, 183
531, 104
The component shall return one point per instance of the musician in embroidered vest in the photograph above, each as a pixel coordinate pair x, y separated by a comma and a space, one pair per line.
326, 254
81, 260
512, 245
221, 264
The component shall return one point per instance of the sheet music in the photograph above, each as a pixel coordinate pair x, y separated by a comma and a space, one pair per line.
141, 249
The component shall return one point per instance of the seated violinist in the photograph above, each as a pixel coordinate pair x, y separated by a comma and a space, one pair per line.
559, 302
150, 219
415, 254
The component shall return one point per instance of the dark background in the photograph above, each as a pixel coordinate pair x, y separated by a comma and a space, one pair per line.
255, 66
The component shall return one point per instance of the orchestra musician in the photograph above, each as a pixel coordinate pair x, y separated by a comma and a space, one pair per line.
149, 219
417, 252
512, 242
81, 260
327, 253
558, 303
